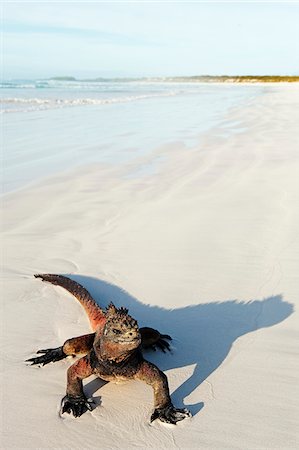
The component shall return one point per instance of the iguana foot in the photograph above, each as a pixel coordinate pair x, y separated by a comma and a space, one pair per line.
151, 338
170, 414
49, 355
75, 405
162, 344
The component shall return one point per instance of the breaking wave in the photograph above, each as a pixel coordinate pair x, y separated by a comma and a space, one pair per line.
20, 104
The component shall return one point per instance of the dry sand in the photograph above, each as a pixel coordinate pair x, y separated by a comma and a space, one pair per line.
205, 249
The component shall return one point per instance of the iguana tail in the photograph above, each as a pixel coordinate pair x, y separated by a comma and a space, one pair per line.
95, 314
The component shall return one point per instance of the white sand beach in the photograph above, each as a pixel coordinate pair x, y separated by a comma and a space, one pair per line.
204, 247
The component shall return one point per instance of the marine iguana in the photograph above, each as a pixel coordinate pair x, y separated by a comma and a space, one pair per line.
112, 352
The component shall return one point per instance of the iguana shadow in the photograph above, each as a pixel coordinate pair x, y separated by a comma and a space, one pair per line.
202, 334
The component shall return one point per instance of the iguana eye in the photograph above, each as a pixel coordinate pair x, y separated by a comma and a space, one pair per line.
115, 331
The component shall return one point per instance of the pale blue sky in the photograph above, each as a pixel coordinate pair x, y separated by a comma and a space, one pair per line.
43, 39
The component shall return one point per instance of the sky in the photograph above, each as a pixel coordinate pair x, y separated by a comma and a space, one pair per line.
149, 38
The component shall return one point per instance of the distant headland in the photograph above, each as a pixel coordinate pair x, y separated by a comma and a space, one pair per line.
195, 79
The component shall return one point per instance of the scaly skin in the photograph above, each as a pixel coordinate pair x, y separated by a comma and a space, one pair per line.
113, 352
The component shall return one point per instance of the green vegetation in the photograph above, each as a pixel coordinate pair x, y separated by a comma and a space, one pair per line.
238, 79
198, 79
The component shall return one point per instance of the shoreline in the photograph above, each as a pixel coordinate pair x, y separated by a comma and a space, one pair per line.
44, 152
195, 78
204, 249
231, 111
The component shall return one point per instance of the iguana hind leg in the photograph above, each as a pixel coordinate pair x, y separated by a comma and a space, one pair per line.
76, 346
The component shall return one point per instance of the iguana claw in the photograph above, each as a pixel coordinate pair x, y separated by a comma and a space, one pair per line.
151, 339
49, 355
162, 344
75, 405
170, 414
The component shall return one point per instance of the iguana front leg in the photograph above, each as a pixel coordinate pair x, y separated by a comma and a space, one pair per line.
164, 409
79, 345
75, 401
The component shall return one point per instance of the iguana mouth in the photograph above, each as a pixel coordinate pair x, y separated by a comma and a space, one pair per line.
130, 340
133, 339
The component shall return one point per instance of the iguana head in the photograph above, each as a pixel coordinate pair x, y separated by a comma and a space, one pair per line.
120, 334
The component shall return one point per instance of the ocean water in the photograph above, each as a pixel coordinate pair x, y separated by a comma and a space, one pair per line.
51, 126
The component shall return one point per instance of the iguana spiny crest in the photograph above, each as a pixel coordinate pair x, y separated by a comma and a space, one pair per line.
120, 328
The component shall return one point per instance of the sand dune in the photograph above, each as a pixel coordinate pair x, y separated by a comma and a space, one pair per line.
205, 248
